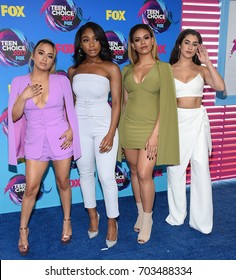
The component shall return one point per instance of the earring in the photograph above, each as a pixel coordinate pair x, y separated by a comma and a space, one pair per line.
178, 56
81, 52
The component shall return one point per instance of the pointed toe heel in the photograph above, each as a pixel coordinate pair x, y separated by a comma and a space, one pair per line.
111, 243
93, 234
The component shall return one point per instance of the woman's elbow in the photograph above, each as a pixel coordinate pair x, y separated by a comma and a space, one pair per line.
221, 87
116, 104
15, 118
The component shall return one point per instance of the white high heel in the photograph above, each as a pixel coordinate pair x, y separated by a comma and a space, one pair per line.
111, 243
93, 234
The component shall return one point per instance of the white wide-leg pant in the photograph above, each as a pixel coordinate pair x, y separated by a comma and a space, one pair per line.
195, 145
92, 131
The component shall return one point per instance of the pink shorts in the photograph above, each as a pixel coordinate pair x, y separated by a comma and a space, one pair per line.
48, 155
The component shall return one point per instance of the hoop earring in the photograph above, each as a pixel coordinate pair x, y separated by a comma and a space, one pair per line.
81, 52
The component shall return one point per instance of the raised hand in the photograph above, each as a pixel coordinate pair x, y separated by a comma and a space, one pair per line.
202, 54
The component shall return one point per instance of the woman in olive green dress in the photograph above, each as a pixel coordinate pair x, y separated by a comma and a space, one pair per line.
148, 126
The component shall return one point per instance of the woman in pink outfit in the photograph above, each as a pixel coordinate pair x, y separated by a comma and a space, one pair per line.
42, 126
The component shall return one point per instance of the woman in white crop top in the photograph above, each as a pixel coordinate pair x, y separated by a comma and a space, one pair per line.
194, 132
93, 77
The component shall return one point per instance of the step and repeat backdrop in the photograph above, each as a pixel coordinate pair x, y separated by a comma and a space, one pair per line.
23, 23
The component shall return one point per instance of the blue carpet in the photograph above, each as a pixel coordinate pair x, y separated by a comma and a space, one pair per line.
166, 243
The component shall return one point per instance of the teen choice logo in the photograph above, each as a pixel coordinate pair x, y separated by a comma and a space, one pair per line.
16, 188
15, 49
118, 46
123, 177
155, 14
62, 15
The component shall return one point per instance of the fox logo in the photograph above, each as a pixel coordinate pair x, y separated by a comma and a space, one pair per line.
115, 15
13, 11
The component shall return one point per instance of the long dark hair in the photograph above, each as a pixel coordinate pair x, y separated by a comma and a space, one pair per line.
133, 55
79, 56
175, 53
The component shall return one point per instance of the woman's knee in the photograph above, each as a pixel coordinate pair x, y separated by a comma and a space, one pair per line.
133, 171
63, 184
143, 175
106, 179
86, 174
31, 190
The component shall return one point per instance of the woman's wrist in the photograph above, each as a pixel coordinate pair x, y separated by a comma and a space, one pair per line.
209, 64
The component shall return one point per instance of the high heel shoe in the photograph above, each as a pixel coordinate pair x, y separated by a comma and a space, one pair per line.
65, 238
93, 234
23, 248
139, 220
145, 232
111, 243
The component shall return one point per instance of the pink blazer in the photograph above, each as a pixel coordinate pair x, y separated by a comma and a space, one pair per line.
29, 132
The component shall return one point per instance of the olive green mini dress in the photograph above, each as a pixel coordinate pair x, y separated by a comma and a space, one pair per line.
146, 100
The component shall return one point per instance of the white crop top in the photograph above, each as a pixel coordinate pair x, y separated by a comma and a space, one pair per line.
193, 88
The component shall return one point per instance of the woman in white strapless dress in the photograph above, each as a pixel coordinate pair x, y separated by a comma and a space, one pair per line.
93, 77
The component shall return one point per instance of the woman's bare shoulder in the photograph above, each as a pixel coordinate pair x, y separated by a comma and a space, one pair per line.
111, 68
71, 72
111, 65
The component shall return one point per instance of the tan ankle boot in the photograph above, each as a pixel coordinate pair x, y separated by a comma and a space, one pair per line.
145, 232
139, 221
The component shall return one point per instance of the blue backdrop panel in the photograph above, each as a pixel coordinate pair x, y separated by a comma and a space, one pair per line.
23, 23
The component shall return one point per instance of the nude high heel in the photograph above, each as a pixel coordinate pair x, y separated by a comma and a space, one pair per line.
139, 221
65, 238
23, 248
145, 232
